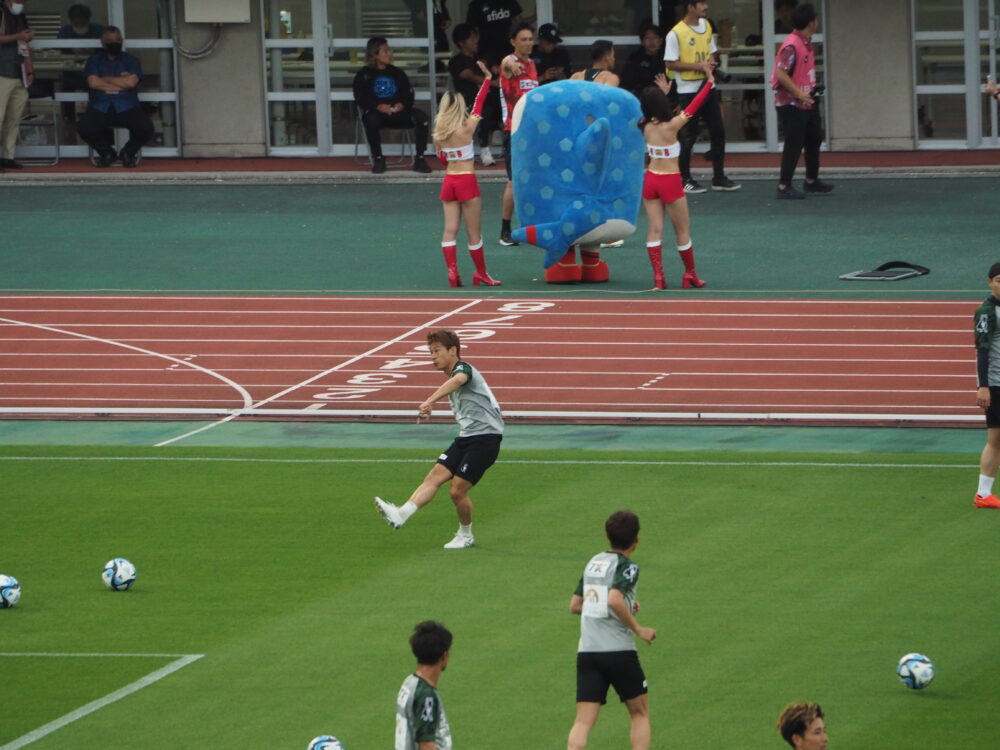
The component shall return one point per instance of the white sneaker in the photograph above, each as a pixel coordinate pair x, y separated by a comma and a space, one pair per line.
389, 512
461, 541
616, 243
486, 157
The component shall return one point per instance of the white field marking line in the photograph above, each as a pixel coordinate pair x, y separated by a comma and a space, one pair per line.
323, 374
515, 461
247, 399
181, 661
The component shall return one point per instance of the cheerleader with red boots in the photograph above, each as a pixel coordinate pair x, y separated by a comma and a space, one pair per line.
453, 131
662, 186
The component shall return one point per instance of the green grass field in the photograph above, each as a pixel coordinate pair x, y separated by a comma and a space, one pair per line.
769, 577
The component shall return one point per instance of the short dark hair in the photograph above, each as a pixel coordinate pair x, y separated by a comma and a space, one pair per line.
600, 48
622, 528
79, 11
803, 15
796, 718
689, 3
994, 270
646, 26
430, 641
655, 105
462, 32
111, 30
446, 338
521, 27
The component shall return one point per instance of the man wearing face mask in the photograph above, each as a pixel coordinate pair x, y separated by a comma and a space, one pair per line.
113, 77
15, 77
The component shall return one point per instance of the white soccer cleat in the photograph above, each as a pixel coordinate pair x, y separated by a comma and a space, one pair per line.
389, 512
461, 541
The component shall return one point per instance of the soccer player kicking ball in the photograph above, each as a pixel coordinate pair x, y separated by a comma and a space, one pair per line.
605, 597
421, 723
474, 450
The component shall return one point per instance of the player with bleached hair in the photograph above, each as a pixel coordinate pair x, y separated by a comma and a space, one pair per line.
802, 726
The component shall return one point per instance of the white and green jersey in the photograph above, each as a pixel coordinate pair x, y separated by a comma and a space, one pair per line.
600, 629
420, 716
476, 410
988, 342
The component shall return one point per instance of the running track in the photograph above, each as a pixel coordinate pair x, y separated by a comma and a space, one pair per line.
814, 361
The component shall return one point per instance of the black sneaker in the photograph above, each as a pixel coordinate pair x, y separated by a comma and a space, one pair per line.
507, 241
11, 164
420, 165
378, 165
790, 193
724, 183
106, 158
691, 186
817, 187
129, 160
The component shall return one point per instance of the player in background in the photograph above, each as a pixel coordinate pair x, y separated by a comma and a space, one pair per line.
474, 450
987, 328
421, 723
453, 132
606, 656
517, 77
602, 64
802, 726
663, 185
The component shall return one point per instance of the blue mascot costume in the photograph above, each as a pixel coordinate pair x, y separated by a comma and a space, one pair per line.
577, 160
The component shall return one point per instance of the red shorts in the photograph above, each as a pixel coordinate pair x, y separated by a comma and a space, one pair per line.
667, 187
459, 187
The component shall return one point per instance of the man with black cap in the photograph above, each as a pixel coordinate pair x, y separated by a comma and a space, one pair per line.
551, 60
987, 329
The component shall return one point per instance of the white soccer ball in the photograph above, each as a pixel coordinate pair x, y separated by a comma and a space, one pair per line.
916, 671
119, 574
10, 591
326, 742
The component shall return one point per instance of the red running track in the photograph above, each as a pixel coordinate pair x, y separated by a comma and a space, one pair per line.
817, 361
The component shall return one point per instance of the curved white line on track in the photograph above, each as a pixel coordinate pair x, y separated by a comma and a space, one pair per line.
244, 394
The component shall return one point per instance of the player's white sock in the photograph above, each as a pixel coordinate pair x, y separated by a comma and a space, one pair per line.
985, 485
406, 510
465, 530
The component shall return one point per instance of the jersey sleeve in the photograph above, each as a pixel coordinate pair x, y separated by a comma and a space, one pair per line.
626, 576
985, 325
427, 715
464, 368
578, 591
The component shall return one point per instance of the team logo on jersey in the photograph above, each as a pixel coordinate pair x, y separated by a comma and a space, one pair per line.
443, 457
526, 84
983, 325
428, 713
691, 42
631, 572
385, 87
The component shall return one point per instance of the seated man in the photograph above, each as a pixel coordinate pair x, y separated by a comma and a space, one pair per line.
113, 77
385, 97
80, 25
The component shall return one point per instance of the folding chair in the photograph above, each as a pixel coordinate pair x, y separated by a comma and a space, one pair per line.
405, 144
34, 123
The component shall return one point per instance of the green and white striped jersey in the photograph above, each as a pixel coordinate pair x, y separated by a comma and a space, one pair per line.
987, 322
420, 716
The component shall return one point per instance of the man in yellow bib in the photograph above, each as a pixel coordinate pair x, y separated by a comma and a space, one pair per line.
689, 56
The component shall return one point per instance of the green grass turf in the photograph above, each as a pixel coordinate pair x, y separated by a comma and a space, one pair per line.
766, 584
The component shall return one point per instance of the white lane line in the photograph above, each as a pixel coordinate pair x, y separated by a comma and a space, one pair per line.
107, 700
244, 394
346, 363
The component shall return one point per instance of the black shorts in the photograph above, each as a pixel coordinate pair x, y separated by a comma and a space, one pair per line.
470, 457
993, 412
596, 671
506, 152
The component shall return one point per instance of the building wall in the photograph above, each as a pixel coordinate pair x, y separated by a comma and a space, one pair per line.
871, 75
221, 96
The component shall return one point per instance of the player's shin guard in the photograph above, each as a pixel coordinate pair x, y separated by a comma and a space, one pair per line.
566, 270
690, 278
595, 270
480, 276
451, 260
655, 251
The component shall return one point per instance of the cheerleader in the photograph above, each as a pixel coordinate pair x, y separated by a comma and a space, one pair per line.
662, 185
453, 131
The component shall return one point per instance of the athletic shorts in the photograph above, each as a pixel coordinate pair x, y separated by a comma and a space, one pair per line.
470, 457
597, 670
993, 412
506, 153
667, 187
459, 187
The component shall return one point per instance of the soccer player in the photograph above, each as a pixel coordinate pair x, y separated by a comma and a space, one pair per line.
421, 723
605, 597
802, 726
988, 395
474, 450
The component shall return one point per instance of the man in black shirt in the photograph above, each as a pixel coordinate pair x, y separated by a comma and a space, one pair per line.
646, 62
551, 61
466, 78
494, 19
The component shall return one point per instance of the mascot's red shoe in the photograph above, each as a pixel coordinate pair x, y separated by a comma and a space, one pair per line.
595, 270
566, 270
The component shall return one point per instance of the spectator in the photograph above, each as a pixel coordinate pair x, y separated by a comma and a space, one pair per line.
645, 63
16, 75
602, 64
783, 16
441, 20
519, 77
551, 60
113, 77
689, 50
494, 19
466, 78
385, 97
80, 25
794, 83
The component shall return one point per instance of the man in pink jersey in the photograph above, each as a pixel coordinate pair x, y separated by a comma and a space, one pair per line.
517, 77
794, 84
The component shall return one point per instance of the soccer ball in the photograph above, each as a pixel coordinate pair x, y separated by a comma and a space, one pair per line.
10, 591
119, 574
325, 742
916, 671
